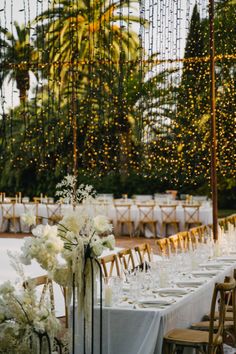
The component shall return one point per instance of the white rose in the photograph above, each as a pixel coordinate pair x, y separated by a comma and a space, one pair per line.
73, 221
38, 230
97, 248
109, 242
101, 224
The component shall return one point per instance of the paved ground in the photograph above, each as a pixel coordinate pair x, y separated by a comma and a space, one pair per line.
123, 241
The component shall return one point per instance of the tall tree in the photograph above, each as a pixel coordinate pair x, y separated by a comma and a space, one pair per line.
16, 58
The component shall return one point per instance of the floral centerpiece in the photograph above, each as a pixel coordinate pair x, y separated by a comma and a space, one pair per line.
68, 251
24, 322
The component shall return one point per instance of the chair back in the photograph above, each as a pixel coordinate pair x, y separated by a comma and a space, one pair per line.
110, 265
123, 212
174, 243
143, 253
191, 214
126, 258
47, 289
168, 213
54, 213
31, 208
146, 212
185, 242
8, 210
221, 290
163, 246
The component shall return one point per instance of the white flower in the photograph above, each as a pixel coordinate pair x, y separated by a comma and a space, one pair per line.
38, 230
97, 248
101, 224
6, 288
73, 221
28, 218
109, 242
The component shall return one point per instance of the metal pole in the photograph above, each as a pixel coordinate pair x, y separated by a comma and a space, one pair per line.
213, 122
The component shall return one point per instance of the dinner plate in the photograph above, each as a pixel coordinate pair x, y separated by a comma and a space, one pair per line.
204, 273
190, 283
156, 301
227, 259
173, 291
212, 265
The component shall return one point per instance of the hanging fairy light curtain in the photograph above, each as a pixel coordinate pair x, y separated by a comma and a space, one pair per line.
120, 86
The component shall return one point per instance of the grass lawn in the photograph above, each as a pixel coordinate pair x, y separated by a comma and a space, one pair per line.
225, 212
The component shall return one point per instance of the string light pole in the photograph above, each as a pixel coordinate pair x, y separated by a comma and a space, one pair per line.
213, 122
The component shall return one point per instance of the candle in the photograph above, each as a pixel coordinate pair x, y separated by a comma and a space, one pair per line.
108, 296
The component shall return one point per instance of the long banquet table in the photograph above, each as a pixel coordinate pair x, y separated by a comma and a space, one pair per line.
205, 214
138, 330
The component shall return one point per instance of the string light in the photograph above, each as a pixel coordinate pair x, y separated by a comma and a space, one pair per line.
135, 110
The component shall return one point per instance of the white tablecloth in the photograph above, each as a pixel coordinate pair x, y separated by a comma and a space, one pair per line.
205, 215
139, 331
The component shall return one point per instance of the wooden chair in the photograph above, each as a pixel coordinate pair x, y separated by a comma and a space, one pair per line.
168, 217
33, 208
126, 259
54, 213
123, 217
164, 246
48, 294
110, 265
185, 241
229, 324
9, 216
143, 252
191, 216
174, 243
46, 290
207, 342
147, 218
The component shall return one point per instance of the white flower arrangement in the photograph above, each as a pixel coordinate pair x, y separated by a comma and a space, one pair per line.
22, 317
64, 249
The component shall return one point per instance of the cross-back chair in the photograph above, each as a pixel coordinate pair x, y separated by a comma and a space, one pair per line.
206, 342
163, 246
191, 216
123, 218
9, 216
169, 218
126, 258
110, 265
143, 253
230, 316
147, 218
54, 213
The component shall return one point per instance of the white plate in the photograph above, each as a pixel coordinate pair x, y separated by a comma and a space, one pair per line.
156, 301
212, 265
190, 283
227, 259
204, 273
173, 291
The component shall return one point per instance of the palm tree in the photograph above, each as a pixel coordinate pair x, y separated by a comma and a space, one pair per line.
81, 32
17, 56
